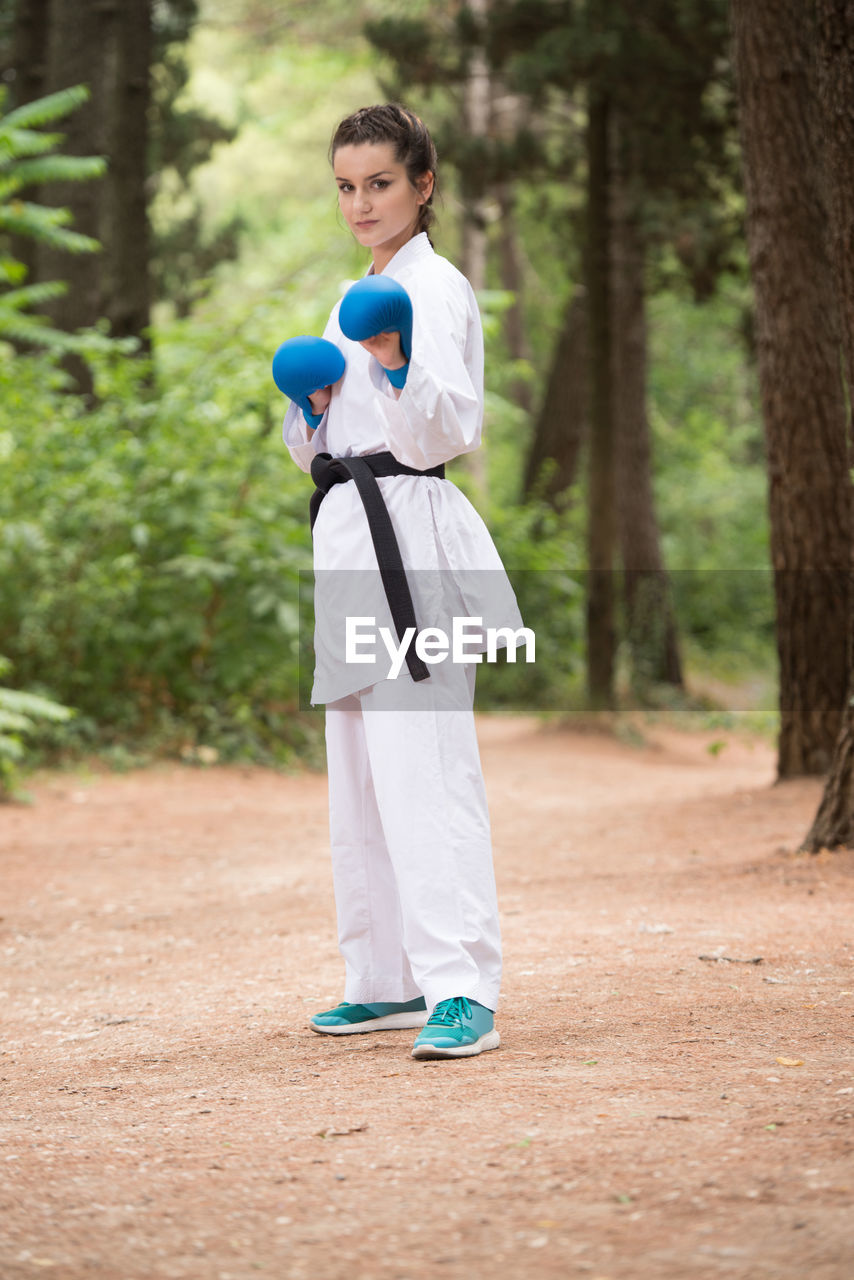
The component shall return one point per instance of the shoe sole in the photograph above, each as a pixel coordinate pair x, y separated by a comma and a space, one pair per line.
389, 1022
489, 1041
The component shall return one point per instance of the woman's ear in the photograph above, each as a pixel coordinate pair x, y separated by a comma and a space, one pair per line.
424, 187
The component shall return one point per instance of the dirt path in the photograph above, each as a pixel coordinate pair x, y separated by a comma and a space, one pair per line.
165, 1112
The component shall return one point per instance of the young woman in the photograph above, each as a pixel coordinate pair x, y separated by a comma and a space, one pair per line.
411, 850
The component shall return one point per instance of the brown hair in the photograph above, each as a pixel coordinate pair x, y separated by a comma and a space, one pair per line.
413, 146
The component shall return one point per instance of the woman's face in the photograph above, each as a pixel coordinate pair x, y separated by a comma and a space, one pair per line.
376, 197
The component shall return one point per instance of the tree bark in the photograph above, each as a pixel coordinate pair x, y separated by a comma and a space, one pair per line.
29, 50
835, 43
562, 425
126, 289
80, 48
476, 115
29, 63
650, 622
476, 112
511, 280
833, 825
106, 45
601, 519
799, 372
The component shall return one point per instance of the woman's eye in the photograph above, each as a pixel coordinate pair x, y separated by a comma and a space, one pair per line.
381, 184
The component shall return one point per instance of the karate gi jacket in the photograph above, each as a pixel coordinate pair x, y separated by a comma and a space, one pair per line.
451, 561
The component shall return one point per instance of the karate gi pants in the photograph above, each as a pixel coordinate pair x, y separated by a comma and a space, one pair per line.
411, 846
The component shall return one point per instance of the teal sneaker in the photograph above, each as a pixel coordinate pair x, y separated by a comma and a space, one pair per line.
457, 1028
352, 1019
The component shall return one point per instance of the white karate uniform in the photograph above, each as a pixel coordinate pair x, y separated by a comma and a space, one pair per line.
411, 849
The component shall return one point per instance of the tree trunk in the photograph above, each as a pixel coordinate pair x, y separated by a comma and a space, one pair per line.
563, 421
29, 64
476, 114
833, 826
79, 51
601, 519
29, 50
511, 280
802, 394
106, 45
835, 40
126, 292
650, 622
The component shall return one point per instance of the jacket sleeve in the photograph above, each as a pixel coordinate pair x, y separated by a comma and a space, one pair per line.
302, 442
439, 413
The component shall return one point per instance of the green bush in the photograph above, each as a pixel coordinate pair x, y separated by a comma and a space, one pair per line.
149, 553
20, 714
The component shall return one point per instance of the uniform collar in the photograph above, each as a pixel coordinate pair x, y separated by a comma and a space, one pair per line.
418, 247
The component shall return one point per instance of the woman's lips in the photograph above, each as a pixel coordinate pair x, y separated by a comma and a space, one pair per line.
368, 222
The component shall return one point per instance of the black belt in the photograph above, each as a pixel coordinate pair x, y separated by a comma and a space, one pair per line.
327, 471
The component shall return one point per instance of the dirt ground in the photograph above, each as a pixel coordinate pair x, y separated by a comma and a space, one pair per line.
674, 1092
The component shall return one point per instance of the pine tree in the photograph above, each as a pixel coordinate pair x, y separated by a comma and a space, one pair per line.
803, 407
130, 55
27, 159
833, 826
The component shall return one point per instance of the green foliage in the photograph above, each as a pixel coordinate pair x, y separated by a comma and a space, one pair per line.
19, 218
19, 715
26, 158
150, 547
536, 547
242, 121
183, 136
711, 497
711, 485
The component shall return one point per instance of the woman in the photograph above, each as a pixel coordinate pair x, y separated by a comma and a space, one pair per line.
411, 851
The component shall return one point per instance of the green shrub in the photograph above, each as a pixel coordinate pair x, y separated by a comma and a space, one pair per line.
20, 714
149, 555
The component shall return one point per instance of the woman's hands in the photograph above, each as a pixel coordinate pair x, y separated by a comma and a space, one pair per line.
386, 348
306, 369
376, 312
319, 400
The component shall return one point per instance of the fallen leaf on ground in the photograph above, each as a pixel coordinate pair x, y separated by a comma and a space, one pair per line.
340, 1133
790, 1062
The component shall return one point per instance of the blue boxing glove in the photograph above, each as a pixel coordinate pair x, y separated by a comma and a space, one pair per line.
378, 304
302, 366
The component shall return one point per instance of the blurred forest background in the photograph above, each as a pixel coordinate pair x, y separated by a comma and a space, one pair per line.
608, 180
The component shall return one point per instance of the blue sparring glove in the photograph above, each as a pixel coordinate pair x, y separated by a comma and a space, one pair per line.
378, 304
302, 366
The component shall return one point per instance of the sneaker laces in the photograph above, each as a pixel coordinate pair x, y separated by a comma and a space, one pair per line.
450, 1013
